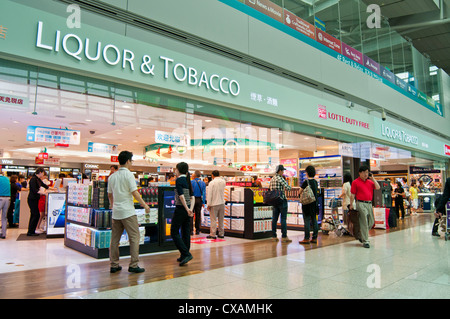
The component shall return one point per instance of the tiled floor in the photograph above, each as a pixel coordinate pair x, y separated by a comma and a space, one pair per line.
410, 264
401, 264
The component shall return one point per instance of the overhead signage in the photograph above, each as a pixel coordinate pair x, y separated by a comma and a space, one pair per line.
323, 114
396, 134
387, 75
328, 40
371, 64
10, 100
267, 7
447, 149
353, 54
102, 148
172, 138
299, 24
52, 135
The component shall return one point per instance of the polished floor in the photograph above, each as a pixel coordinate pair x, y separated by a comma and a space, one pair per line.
403, 263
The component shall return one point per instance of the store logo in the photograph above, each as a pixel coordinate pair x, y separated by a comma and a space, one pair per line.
447, 149
322, 112
3, 31
401, 136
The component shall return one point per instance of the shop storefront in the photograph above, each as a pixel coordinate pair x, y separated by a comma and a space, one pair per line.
113, 93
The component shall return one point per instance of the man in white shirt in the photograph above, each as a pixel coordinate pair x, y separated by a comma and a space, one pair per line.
216, 204
121, 190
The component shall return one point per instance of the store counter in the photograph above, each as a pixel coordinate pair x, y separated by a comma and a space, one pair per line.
55, 211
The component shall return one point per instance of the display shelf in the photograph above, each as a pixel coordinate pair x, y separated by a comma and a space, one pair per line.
243, 224
91, 235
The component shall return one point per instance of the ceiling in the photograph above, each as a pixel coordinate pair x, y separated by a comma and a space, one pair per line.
423, 23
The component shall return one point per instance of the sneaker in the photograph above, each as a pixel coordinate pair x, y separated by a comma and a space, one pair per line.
304, 241
136, 269
211, 237
186, 260
286, 240
366, 245
115, 269
220, 236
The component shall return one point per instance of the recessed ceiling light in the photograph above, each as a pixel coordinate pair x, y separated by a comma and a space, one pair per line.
119, 133
88, 120
126, 106
138, 128
15, 122
306, 138
208, 121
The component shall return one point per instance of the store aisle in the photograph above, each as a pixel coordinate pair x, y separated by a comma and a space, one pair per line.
410, 263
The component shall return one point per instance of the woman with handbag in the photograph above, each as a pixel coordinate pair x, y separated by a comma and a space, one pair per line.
309, 192
33, 200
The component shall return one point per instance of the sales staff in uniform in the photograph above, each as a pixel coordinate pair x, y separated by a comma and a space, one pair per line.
199, 188
362, 190
33, 200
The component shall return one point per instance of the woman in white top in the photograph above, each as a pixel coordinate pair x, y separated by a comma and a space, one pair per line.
345, 195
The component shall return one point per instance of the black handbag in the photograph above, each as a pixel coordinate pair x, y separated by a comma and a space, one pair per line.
273, 197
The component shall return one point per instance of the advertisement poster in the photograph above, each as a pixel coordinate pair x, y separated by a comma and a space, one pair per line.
291, 167
102, 148
56, 206
351, 53
52, 135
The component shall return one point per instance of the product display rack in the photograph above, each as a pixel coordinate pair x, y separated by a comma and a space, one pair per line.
87, 221
248, 218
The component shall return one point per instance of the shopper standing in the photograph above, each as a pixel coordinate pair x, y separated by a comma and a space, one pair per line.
279, 183
121, 190
180, 229
362, 190
33, 200
199, 189
12, 203
414, 198
311, 210
441, 208
5, 196
346, 194
216, 204
399, 195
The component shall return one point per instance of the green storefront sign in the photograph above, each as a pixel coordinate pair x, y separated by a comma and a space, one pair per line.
44, 39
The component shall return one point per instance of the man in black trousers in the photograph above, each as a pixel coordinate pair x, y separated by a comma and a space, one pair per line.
440, 208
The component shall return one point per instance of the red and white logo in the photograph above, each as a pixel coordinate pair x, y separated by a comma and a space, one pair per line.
447, 149
322, 112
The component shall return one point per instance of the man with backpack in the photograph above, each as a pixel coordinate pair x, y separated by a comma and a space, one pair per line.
279, 183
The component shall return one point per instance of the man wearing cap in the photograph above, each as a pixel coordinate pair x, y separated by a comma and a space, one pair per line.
279, 183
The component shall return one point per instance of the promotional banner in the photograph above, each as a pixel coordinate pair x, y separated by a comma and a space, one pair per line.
56, 216
52, 135
102, 148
